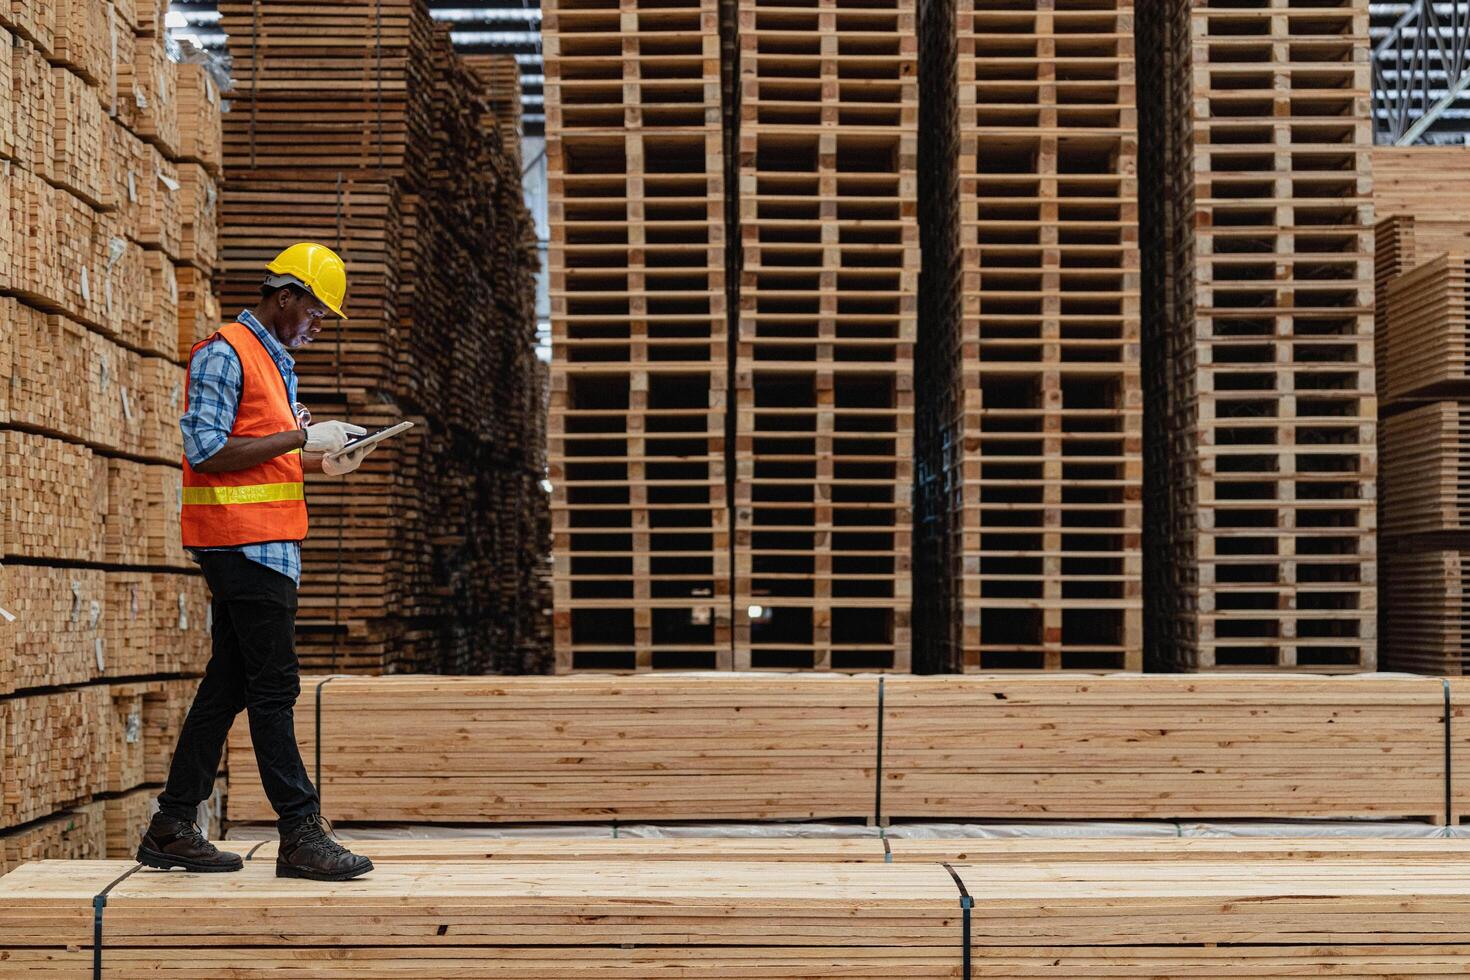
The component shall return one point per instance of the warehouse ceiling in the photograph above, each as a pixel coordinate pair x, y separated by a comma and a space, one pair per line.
515, 28
479, 28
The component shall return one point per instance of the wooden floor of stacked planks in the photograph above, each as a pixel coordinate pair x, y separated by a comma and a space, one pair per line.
1035, 454
1262, 447
956, 911
827, 144
761, 746
640, 359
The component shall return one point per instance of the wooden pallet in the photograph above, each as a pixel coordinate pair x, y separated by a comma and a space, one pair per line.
1263, 445
640, 359
1033, 435
824, 396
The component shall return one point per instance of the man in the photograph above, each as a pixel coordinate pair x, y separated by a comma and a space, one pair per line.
247, 446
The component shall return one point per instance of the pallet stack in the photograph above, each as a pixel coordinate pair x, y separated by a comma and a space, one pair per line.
397, 168
640, 362
110, 158
1032, 464
827, 119
1261, 457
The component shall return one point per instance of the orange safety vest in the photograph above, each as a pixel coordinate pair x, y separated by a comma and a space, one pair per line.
266, 502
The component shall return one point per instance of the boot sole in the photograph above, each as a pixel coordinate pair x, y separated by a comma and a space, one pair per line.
165, 862
291, 871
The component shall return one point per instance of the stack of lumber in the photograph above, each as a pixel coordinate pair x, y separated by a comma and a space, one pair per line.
1261, 460
720, 746
827, 137
1241, 916
107, 195
1033, 412
640, 343
1424, 381
501, 76
359, 128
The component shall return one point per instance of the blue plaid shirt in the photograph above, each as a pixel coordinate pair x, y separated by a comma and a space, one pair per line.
215, 382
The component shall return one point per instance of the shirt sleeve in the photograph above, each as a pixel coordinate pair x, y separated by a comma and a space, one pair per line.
215, 380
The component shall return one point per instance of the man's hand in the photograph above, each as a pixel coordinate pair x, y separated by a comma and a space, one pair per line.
330, 437
347, 462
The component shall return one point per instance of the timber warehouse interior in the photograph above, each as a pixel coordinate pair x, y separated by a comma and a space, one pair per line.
895, 488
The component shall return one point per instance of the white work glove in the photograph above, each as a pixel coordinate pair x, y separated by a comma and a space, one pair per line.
330, 437
347, 462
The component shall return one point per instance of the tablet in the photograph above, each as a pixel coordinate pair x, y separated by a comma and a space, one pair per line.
372, 438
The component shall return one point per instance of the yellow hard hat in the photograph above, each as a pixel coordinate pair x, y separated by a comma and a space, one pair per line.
316, 268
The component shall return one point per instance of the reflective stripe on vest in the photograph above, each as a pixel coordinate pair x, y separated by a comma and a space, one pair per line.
266, 502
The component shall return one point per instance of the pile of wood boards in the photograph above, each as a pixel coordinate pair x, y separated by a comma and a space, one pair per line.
715, 746
1423, 347
1031, 421
383, 145
1232, 914
108, 201
1260, 462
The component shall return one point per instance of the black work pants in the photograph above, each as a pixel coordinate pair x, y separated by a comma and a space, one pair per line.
253, 668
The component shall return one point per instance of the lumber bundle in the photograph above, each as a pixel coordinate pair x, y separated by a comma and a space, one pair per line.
824, 385
1032, 417
79, 834
1163, 747
1420, 272
1261, 426
358, 127
1241, 918
640, 345
680, 746
876, 850
501, 76
757, 746
98, 643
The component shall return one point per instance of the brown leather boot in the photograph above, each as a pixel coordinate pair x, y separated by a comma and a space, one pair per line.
171, 843
309, 850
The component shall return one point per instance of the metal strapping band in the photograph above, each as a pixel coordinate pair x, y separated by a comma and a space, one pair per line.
878, 781
317, 722
1449, 772
99, 902
966, 904
257, 847
887, 851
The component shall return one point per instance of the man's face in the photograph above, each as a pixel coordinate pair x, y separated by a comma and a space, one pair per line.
301, 318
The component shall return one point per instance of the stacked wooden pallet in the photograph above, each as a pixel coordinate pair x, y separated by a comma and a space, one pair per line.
829, 264
759, 746
385, 149
640, 358
106, 197
1034, 441
1268, 917
1262, 447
